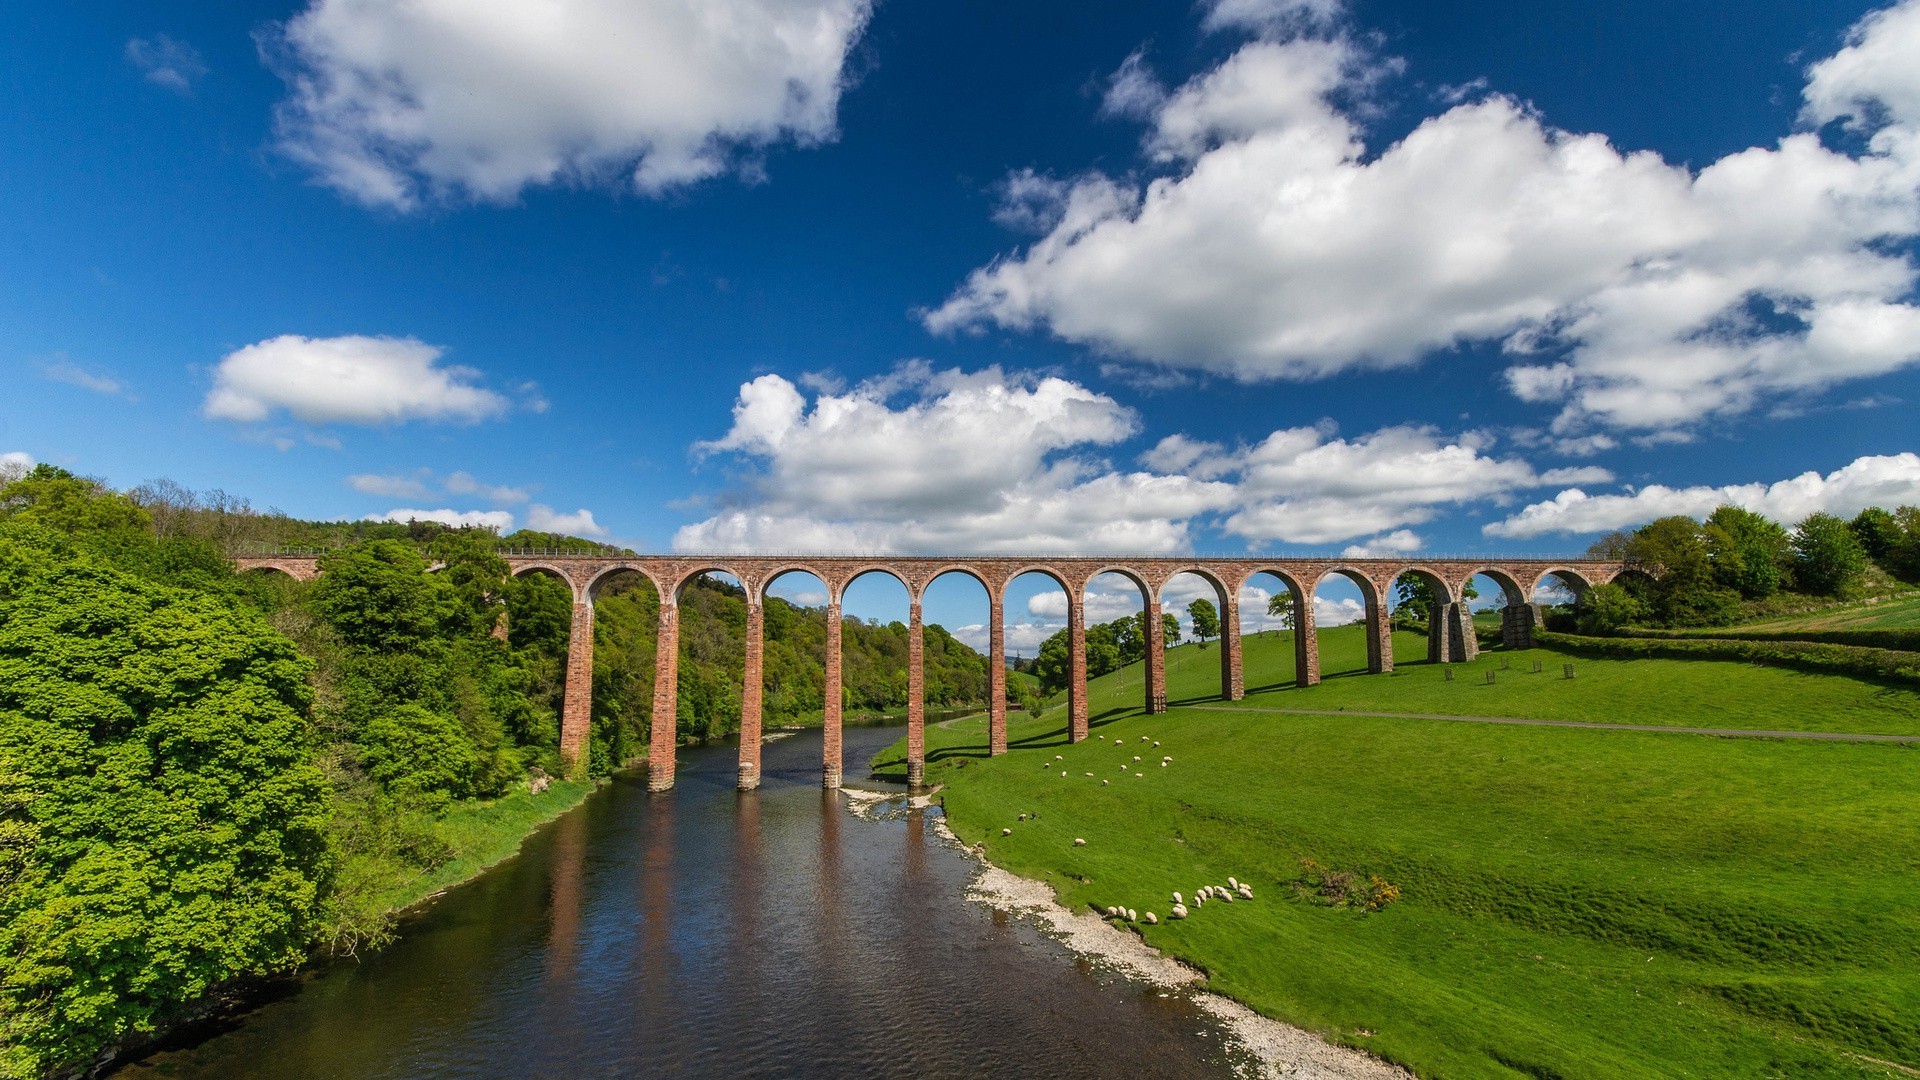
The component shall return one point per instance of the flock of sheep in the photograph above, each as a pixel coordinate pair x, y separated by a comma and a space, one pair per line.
1224, 893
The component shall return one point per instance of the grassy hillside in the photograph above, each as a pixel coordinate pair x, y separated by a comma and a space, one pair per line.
1572, 903
1872, 615
1660, 692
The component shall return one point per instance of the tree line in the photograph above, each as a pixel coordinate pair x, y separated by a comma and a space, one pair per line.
1737, 563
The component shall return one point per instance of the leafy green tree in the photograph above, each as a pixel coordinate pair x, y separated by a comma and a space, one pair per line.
415, 752
1684, 592
1827, 558
1170, 628
1748, 552
166, 830
379, 597
1606, 609
1206, 619
1903, 558
1280, 606
473, 573
1878, 531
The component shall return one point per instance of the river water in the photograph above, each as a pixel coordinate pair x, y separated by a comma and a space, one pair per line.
709, 933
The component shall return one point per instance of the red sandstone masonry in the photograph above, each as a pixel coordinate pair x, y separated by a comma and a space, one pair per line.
1077, 668
830, 739
916, 697
750, 696
668, 573
576, 711
996, 678
1156, 656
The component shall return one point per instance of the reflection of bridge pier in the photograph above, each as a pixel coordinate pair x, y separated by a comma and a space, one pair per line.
1450, 625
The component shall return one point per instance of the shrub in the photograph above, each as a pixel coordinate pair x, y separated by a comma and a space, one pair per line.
1827, 558
1881, 664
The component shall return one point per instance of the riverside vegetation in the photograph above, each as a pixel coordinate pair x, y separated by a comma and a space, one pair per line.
208, 778
1564, 902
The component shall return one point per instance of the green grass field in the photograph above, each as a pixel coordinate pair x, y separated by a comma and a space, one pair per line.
1574, 903
1880, 615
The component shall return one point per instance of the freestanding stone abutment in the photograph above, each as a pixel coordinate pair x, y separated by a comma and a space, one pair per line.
1450, 639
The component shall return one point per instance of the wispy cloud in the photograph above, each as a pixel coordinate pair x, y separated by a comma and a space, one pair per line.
167, 62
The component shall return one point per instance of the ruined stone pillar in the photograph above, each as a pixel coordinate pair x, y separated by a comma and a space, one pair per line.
1379, 637
1233, 681
831, 700
1440, 625
1156, 659
1076, 668
916, 698
750, 695
666, 697
1462, 644
1306, 641
1517, 623
576, 710
996, 678
500, 625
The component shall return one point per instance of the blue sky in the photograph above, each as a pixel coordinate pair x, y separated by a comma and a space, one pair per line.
1277, 275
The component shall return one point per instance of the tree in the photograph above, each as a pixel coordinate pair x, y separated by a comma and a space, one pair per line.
1748, 551
1416, 597
1206, 620
1674, 550
1606, 609
156, 755
1280, 605
1878, 531
1169, 629
1827, 558
379, 597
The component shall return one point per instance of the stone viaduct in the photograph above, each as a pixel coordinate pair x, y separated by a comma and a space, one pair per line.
1451, 638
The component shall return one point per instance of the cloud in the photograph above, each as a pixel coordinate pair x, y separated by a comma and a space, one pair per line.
499, 521
981, 461
1629, 292
1307, 486
1891, 480
1397, 542
392, 487
579, 523
175, 65
74, 375
353, 379
462, 483
393, 104
1271, 16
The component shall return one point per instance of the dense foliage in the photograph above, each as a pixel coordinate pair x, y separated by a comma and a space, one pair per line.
163, 828
1736, 562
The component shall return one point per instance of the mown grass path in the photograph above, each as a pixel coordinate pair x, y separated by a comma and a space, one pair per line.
1576, 900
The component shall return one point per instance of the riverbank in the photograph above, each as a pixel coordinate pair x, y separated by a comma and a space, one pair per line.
1569, 901
1275, 1049
482, 833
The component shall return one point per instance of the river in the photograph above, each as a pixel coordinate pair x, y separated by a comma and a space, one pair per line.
709, 933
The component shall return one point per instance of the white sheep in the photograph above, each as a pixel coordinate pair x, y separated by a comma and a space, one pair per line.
1132, 915
1078, 842
1006, 832
1232, 882
1136, 757
1246, 891
1177, 897
1151, 919
1105, 783
1179, 911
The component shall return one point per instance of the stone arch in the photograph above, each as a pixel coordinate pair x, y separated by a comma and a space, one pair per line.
696, 570
273, 568
1518, 617
602, 575
839, 589
1450, 637
1227, 605
1575, 580
1306, 642
764, 587
1509, 585
1154, 662
935, 573
1378, 632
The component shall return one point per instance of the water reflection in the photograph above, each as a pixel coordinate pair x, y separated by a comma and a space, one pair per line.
706, 932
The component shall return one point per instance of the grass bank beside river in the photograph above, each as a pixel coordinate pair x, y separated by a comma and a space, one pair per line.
1571, 902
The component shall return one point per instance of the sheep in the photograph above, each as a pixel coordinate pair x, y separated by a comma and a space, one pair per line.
1246, 891
1177, 899
1006, 832
1079, 842
1151, 919
1132, 915
1179, 911
1105, 783
1232, 882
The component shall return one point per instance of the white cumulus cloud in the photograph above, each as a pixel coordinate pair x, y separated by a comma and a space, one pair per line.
353, 379
499, 521
924, 460
395, 102
579, 523
1631, 292
1890, 480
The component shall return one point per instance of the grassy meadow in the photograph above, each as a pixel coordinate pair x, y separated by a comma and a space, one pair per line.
1572, 903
